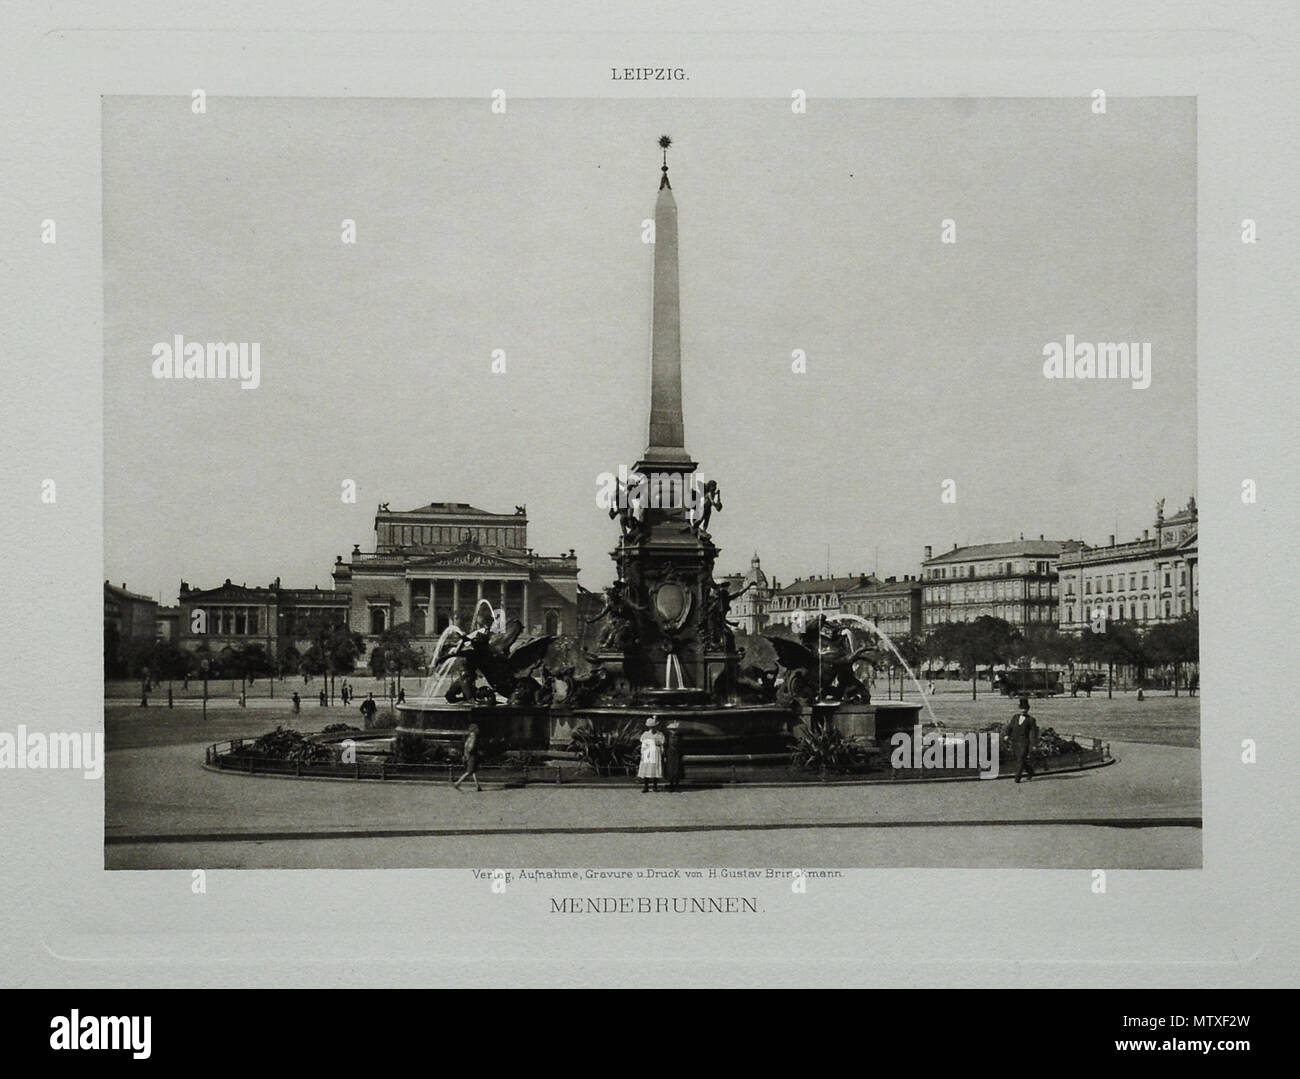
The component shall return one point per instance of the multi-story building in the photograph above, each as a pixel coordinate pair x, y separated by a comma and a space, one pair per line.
750, 611
233, 615
1015, 581
813, 596
128, 618
434, 565
893, 605
1152, 579
167, 623
431, 567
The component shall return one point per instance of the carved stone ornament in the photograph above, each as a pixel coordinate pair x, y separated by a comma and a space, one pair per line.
672, 605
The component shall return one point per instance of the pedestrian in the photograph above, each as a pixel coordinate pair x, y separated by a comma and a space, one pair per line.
652, 757
401, 695
297, 704
471, 758
931, 687
674, 767
368, 709
322, 698
1022, 733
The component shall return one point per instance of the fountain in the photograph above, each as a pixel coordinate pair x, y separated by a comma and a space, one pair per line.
666, 647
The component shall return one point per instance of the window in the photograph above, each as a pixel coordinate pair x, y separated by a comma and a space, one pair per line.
552, 623
1110, 584
1144, 611
1132, 581
1182, 578
1145, 581
1087, 587
1166, 582
377, 620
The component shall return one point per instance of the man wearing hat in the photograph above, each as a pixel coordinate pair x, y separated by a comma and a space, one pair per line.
652, 756
1022, 733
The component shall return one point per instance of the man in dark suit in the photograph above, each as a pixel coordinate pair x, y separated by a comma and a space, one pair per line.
1022, 733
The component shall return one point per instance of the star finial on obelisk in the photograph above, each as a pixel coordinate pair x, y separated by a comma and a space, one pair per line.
665, 141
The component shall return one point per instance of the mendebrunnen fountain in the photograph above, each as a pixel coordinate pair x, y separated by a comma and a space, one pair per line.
665, 647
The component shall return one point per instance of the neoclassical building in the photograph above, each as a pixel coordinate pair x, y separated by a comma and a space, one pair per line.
1155, 578
430, 567
231, 615
433, 565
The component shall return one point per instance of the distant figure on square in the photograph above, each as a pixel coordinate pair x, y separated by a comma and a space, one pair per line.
322, 697
1022, 733
471, 758
369, 708
652, 757
297, 704
674, 769
930, 689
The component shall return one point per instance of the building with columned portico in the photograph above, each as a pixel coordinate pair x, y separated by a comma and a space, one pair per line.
432, 566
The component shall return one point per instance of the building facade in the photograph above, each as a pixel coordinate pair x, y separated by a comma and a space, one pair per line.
1155, 578
813, 596
231, 616
893, 605
438, 564
750, 611
431, 567
128, 619
1015, 581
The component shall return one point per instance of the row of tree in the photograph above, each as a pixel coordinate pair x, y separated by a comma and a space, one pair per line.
989, 642
332, 649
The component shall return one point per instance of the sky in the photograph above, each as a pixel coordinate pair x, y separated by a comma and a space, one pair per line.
523, 232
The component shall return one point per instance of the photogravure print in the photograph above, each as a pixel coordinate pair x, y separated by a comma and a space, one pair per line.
939, 559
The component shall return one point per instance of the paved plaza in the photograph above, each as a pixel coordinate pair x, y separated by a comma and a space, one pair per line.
164, 810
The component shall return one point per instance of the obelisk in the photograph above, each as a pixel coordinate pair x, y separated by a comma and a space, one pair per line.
667, 444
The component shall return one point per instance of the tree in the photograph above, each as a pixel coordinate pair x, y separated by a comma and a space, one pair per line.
1119, 645
288, 659
943, 644
1175, 643
399, 652
248, 661
334, 647
987, 641
911, 652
